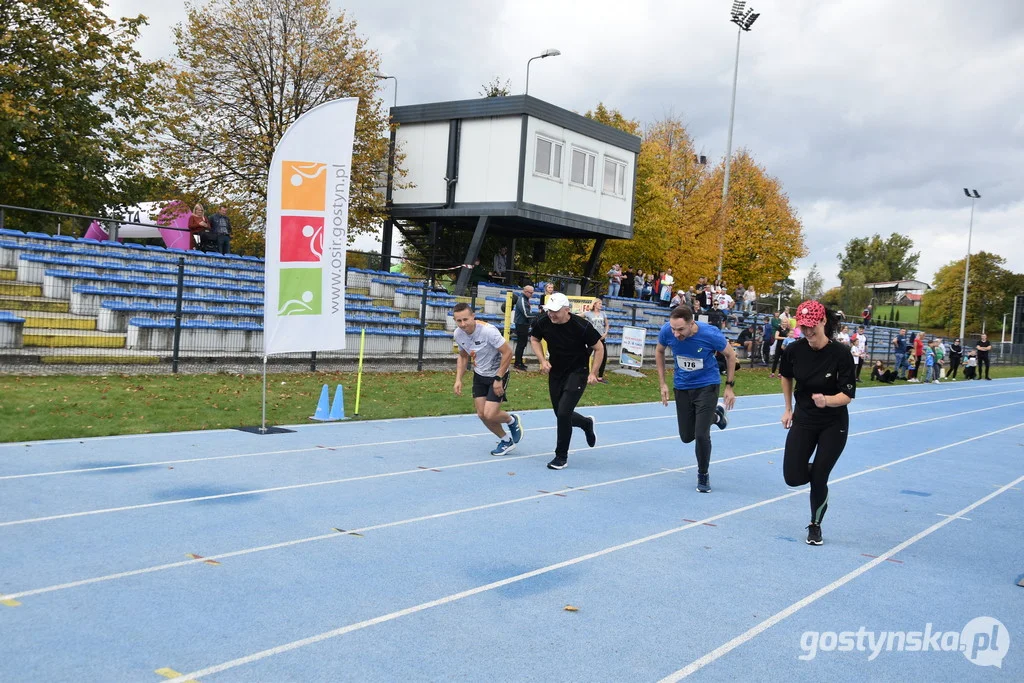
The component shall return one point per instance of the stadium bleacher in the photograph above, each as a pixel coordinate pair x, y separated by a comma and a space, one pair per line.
61, 291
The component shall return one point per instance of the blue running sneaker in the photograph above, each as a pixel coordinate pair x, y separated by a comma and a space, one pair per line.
503, 447
703, 483
515, 429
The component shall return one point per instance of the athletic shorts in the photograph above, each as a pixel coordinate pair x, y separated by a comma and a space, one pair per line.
484, 387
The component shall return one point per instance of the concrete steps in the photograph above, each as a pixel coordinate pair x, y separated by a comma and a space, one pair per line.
60, 321
32, 303
59, 338
9, 288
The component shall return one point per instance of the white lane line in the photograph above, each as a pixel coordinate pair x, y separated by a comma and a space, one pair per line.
418, 470
877, 393
384, 525
448, 599
440, 515
966, 519
724, 649
163, 463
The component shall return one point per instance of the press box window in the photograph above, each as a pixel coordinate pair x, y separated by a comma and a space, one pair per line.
614, 177
583, 168
549, 158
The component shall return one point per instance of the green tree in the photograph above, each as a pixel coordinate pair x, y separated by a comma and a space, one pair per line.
990, 292
247, 70
814, 284
76, 107
877, 260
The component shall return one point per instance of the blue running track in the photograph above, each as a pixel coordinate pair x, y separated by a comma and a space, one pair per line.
400, 550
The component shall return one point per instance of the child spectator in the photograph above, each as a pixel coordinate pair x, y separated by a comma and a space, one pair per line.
880, 373
971, 365
929, 362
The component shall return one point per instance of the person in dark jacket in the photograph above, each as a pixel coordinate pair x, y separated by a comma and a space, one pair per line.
956, 354
522, 316
220, 226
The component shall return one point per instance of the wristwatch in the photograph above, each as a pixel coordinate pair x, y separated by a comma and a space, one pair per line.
731, 384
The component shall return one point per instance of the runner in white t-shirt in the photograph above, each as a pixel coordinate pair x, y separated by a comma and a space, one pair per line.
484, 345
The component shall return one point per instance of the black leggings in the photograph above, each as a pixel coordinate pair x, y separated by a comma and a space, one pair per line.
522, 339
695, 413
954, 364
776, 358
797, 468
566, 391
604, 359
982, 360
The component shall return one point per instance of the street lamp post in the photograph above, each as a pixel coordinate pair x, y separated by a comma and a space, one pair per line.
383, 77
550, 52
744, 19
972, 195
389, 222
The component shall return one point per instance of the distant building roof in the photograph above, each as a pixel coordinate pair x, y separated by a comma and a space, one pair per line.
899, 285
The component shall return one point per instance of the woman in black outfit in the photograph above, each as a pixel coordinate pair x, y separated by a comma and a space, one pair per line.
825, 385
956, 354
780, 336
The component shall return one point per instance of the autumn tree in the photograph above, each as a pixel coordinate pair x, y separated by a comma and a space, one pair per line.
76, 107
990, 292
763, 234
245, 71
669, 196
677, 212
685, 202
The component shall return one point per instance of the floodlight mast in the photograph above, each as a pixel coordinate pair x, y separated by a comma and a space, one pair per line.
744, 18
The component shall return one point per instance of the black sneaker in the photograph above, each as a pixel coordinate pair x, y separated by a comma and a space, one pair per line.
814, 534
722, 420
559, 462
591, 434
703, 482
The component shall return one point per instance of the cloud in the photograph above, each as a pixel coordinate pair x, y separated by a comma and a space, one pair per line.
873, 114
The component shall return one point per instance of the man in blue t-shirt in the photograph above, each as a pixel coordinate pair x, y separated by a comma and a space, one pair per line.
696, 381
899, 343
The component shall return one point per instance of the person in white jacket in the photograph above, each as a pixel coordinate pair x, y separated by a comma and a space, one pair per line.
859, 349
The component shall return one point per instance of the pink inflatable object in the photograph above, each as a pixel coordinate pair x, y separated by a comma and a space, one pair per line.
96, 232
175, 215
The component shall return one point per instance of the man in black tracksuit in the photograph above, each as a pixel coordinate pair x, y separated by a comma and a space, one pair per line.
570, 340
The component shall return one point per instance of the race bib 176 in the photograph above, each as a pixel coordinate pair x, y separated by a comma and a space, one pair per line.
687, 364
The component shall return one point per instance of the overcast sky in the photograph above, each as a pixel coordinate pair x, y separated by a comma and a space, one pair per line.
874, 114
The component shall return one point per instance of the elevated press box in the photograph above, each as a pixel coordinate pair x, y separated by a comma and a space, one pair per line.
536, 170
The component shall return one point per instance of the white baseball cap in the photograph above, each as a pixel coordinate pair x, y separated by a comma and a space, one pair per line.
556, 302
